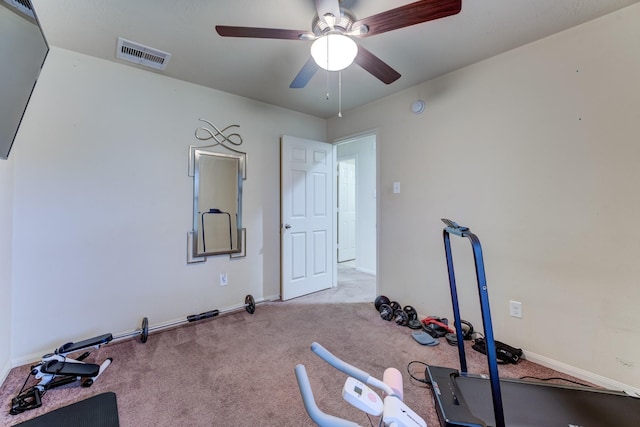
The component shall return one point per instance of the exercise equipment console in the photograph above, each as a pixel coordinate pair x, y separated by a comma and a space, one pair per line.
463, 399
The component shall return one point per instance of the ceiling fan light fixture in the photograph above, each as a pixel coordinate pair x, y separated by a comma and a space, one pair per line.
334, 52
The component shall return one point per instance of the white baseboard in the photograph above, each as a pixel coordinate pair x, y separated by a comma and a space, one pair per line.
365, 270
581, 374
36, 357
5, 372
29, 359
270, 298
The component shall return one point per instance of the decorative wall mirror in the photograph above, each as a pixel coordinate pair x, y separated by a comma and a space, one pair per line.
23, 50
217, 195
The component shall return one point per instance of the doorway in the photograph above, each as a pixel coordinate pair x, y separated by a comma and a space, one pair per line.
357, 213
309, 224
347, 199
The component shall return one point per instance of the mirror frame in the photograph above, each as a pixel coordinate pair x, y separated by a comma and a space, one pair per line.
195, 153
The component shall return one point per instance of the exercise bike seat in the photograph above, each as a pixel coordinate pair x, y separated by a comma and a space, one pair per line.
57, 367
91, 342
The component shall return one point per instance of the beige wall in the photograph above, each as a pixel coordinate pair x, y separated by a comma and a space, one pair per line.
103, 202
537, 151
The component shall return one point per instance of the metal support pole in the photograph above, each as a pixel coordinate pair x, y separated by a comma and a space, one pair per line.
453, 228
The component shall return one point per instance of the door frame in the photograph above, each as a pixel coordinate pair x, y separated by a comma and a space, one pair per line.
351, 138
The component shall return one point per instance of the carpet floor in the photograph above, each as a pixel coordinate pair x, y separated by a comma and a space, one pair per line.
238, 369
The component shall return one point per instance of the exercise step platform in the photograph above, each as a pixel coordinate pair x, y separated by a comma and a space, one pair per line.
57, 367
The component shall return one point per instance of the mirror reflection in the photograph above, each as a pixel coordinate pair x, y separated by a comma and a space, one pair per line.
22, 53
217, 221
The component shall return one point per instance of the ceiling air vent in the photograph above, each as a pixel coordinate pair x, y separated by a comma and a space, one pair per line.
142, 55
23, 6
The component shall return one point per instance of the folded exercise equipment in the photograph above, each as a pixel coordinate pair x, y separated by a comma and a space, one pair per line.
57, 369
463, 399
357, 392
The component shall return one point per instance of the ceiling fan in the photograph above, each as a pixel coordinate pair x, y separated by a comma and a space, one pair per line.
334, 25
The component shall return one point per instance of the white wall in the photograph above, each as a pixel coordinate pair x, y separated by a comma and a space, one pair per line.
364, 149
537, 151
6, 234
103, 202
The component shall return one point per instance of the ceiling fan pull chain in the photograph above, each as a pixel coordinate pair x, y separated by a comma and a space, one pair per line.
327, 74
340, 93
326, 94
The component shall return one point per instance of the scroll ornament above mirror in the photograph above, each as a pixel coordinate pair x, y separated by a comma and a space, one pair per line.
217, 194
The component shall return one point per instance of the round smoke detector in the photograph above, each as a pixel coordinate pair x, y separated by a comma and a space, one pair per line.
417, 107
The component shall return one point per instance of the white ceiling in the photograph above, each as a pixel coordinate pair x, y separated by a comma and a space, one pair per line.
262, 69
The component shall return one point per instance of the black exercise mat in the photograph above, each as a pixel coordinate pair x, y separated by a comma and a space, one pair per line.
97, 411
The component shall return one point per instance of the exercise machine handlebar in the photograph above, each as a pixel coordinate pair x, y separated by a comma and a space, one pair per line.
395, 413
319, 417
351, 370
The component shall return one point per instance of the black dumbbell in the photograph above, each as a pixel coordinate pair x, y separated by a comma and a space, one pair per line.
407, 316
386, 312
411, 312
381, 299
401, 317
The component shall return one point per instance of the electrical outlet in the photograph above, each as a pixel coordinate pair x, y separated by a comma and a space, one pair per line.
515, 309
223, 279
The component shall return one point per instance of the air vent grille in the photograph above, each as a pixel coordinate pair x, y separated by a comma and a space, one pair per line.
23, 6
142, 55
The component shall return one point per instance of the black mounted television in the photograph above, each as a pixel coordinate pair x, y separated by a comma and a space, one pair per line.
23, 50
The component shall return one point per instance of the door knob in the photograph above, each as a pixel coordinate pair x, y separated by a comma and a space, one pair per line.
287, 226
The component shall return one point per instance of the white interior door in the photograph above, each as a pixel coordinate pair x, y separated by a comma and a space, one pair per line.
346, 209
306, 169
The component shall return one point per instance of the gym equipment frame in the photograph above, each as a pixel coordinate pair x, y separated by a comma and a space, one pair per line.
463, 399
214, 211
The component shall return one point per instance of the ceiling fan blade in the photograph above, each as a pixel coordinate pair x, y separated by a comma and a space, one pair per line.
376, 66
407, 15
308, 70
263, 33
328, 11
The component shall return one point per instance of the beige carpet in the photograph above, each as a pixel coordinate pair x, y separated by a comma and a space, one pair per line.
238, 369
353, 286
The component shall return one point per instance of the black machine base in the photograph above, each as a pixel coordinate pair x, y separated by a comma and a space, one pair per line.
465, 401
